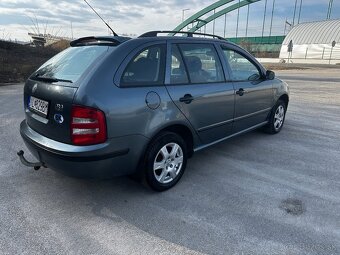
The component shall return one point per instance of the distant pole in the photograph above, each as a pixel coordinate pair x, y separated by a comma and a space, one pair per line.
271, 21
300, 12
330, 57
247, 20
264, 17
214, 23
330, 7
183, 11
289, 24
225, 25
330, 11
284, 32
238, 17
294, 12
323, 52
71, 30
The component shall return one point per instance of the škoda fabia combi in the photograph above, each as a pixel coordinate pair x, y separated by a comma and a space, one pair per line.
110, 106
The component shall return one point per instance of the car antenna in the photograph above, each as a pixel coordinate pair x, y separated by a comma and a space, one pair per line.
113, 32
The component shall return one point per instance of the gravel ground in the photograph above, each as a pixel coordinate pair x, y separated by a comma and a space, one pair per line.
255, 194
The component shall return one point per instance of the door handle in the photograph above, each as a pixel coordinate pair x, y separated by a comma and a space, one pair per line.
186, 99
241, 92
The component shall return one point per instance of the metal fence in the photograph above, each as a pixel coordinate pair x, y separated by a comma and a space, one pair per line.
311, 51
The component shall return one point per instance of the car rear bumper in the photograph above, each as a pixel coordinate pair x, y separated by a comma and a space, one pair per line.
116, 157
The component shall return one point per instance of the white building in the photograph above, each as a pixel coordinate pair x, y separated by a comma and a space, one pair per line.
313, 43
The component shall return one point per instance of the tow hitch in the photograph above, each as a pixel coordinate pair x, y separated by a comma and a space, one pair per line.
24, 161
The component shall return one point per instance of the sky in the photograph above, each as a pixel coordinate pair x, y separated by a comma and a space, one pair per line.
75, 19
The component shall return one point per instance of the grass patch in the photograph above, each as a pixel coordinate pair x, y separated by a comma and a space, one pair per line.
18, 62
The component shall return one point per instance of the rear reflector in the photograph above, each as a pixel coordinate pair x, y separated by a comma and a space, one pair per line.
83, 121
85, 131
88, 126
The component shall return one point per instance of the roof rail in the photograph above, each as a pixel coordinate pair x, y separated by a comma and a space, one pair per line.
172, 33
99, 40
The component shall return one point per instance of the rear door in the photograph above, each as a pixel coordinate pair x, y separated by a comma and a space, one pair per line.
253, 93
197, 84
48, 108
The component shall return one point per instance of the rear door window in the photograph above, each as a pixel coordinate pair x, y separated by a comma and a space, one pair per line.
202, 63
146, 68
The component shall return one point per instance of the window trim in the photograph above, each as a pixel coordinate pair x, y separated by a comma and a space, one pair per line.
184, 62
250, 59
185, 66
168, 67
131, 56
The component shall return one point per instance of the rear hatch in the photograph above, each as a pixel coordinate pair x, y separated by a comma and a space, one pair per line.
49, 92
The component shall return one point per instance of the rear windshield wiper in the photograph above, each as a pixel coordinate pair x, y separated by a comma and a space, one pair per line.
49, 79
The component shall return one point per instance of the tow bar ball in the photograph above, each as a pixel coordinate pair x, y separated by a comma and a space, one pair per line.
25, 162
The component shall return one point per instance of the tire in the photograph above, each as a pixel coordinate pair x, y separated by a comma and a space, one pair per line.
276, 118
165, 161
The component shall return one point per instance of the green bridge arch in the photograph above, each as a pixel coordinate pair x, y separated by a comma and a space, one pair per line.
202, 22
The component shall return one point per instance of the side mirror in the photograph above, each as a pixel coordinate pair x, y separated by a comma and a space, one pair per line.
270, 75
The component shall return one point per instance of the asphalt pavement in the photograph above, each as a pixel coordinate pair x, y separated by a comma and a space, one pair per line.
254, 194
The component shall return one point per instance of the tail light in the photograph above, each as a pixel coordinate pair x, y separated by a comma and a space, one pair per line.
88, 126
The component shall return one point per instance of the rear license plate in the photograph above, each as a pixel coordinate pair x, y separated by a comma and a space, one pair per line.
38, 105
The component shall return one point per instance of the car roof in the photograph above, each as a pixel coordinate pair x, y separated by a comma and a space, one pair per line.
150, 36
186, 35
183, 38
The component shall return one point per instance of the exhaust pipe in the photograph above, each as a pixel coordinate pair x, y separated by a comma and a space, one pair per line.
25, 162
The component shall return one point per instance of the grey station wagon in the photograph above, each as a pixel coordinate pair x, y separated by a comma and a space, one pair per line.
110, 106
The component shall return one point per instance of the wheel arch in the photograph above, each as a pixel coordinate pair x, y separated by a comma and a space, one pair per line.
180, 129
285, 99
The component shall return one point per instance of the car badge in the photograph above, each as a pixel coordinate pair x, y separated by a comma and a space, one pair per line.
58, 118
59, 107
34, 88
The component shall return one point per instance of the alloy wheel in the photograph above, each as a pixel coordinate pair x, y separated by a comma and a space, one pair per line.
279, 117
168, 163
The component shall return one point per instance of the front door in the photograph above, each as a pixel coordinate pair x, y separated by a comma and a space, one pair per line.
253, 93
198, 88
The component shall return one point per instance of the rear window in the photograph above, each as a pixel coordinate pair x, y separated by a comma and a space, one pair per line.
71, 63
146, 68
